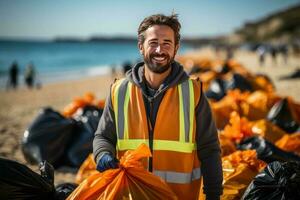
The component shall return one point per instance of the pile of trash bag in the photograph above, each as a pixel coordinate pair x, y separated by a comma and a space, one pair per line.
47, 137
18, 182
240, 128
253, 106
250, 117
239, 168
219, 87
267, 151
63, 139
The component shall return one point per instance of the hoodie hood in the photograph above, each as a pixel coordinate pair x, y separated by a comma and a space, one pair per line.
176, 76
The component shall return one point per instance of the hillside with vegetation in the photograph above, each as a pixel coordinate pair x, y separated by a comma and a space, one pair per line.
282, 26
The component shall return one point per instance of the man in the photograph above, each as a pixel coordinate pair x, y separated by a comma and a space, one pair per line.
29, 75
159, 105
13, 75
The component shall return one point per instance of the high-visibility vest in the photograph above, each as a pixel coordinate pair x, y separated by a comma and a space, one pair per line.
174, 153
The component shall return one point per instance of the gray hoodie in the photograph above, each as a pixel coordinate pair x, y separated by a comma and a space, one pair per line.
208, 147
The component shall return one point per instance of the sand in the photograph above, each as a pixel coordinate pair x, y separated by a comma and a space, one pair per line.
19, 108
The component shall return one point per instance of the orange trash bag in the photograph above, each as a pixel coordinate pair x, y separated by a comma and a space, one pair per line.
78, 102
239, 168
129, 181
290, 143
227, 145
238, 128
87, 168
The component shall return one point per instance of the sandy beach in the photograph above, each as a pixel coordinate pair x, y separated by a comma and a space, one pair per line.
19, 108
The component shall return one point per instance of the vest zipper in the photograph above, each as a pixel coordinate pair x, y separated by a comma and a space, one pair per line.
150, 132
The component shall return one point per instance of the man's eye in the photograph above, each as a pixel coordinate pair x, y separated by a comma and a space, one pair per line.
153, 43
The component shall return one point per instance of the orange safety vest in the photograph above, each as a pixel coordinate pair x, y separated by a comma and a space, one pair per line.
174, 154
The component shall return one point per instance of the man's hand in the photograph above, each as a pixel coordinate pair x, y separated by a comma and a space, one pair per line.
107, 161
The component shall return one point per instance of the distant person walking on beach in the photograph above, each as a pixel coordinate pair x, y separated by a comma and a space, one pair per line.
13, 75
261, 51
29, 75
283, 49
273, 52
229, 52
159, 105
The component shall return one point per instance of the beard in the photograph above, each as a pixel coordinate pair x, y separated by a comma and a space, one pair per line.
157, 67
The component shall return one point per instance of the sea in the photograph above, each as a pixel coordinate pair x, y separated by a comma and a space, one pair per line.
60, 61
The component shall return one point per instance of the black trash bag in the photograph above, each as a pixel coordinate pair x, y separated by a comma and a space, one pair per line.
47, 171
278, 181
280, 115
89, 115
197, 69
64, 190
216, 89
239, 82
266, 151
224, 69
82, 141
47, 137
18, 182
293, 75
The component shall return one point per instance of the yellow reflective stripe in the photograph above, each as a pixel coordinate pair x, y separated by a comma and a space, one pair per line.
192, 110
168, 145
181, 116
130, 144
126, 102
116, 95
165, 145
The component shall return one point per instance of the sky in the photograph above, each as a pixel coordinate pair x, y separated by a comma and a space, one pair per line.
47, 19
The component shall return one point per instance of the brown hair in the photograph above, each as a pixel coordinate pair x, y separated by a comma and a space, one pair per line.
160, 19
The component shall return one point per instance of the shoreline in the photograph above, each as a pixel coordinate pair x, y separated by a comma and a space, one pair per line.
62, 76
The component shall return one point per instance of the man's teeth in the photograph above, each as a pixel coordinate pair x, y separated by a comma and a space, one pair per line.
159, 58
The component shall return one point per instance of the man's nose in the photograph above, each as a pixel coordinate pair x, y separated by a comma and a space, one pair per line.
158, 49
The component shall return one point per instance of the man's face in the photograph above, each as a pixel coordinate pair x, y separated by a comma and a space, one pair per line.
159, 48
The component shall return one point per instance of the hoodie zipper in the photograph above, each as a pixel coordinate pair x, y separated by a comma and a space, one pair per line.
150, 132
150, 127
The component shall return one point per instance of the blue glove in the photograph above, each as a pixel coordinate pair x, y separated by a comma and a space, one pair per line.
107, 161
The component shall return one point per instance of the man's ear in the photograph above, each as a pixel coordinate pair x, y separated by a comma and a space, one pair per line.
141, 48
176, 48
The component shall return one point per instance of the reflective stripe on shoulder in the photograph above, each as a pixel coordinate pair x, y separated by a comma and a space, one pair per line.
120, 93
163, 145
126, 102
179, 177
186, 110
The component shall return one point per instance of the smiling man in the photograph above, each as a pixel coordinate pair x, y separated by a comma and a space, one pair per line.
158, 104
